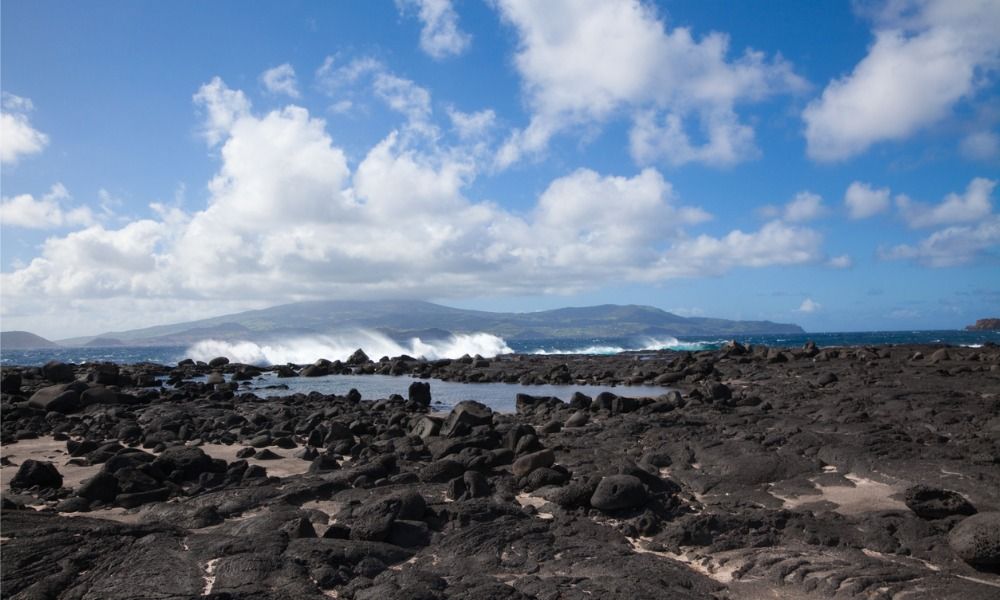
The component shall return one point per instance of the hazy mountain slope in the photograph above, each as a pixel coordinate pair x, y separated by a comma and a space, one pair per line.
400, 318
24, 340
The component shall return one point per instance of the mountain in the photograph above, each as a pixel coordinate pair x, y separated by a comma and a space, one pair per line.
985, 325
24, 340
402, 319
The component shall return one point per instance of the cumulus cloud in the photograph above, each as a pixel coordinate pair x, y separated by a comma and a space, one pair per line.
280, 80
288, 219
17, 136
863, 201
585, 62
843, 261
927, 55
46, 212
975, 204
440, 36
981, 145
972, 232
951, 246
806, 206
472, 125
223, 108
809, 306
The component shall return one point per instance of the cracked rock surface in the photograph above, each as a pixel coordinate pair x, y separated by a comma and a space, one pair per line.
764, 473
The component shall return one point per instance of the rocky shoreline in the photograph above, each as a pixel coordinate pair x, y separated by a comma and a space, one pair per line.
766, 473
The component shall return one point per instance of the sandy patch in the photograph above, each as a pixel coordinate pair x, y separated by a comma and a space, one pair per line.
704, 565
286, 466
44, 449
528, 500
867, 495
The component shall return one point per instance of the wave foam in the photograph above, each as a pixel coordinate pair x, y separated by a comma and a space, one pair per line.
647, 343
339, 347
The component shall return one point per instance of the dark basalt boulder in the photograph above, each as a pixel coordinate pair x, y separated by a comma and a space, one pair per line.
358, 358
36, 473
313, 371
98, 394
441, 471
977, 539
618, 492
529, 462
420, 392
189, 462
103, 487
11, 383
218, 361
56, 398
58, 372
466, 413
935, 503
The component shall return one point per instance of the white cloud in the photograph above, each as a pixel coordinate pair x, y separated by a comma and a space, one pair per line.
407, 98
840, 262
863, 201
287, 219
46, 212
806, 206
951, 246
584, 62
280, 80
472, 125
809, 306
440, 36
974, 205
927, 56
981, 145
224, 108
17, 137
775, 243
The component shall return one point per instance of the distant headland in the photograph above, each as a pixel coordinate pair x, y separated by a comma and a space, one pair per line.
992, 324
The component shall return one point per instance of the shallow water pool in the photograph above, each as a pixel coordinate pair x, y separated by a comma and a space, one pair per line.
445, 394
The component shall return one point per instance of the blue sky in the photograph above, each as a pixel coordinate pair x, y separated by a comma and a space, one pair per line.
829, 164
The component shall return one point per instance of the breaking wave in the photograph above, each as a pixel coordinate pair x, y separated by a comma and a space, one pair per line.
339, 347
646, 343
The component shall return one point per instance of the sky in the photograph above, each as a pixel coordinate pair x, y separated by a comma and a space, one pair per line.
831, 164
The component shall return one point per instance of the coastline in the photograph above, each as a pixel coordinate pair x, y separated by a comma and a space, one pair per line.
782, 472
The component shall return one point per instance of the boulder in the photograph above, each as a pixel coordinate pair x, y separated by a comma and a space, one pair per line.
103, 487
58, 372
36, 472
529, 462
469, 413
11, 383
218, 361
358, 358
618, 492
935, 503
977, 540
441, 471
420, 392
98, 394
578, 419
56, 398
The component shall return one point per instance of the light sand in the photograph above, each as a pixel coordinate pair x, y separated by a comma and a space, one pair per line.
867, 495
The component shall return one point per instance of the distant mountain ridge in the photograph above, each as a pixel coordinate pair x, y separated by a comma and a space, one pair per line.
24, 340
403, 319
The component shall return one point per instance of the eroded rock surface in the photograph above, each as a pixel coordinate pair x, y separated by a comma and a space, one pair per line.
785, 473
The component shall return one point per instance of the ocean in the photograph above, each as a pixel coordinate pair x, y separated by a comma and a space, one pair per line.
308, 349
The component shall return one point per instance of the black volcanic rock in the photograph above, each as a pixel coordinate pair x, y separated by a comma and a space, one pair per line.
935, 503
977, 539
36, 473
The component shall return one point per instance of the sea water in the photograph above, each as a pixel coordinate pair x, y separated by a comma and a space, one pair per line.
264, 354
